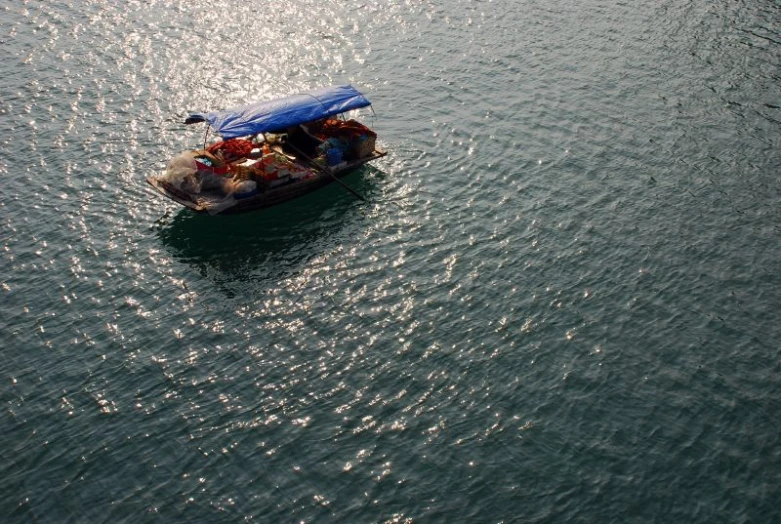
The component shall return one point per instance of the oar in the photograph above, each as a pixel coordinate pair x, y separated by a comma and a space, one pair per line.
326, 171
348, 188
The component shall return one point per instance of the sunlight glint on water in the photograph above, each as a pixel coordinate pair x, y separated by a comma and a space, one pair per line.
559, 303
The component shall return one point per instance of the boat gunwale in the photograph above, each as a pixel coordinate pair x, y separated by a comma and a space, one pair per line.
270, 196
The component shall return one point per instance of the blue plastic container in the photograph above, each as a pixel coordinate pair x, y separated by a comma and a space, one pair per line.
334, 156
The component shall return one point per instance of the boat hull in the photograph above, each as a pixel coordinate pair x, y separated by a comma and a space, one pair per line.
217, 204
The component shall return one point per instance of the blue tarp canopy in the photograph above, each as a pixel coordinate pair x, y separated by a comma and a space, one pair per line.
276, 115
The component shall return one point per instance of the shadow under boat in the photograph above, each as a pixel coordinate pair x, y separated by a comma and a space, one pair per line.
270, 244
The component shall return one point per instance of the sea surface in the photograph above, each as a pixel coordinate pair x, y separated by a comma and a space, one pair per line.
561, 302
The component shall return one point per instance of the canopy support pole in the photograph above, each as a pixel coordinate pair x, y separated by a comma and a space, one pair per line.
205, 135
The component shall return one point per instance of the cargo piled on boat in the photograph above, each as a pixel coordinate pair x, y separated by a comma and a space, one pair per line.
271, 152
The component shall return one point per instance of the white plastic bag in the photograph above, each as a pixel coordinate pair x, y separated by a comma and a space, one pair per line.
181, 173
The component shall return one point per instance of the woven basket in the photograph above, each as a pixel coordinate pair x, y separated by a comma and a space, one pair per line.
364, 146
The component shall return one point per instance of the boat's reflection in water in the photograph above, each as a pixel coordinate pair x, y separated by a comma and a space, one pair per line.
246, 252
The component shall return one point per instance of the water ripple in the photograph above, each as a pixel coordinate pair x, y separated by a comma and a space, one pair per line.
558, 303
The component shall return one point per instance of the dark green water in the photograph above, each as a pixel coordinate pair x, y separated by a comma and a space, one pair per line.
561, 305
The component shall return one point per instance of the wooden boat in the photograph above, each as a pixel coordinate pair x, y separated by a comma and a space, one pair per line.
271, 152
